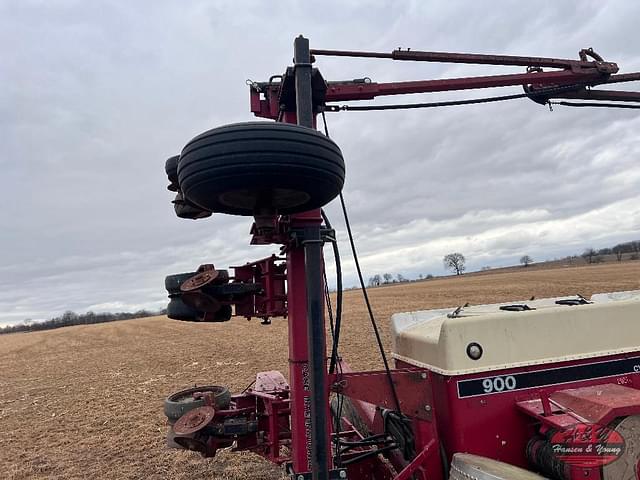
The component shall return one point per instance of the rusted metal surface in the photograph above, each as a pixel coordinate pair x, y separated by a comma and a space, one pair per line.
194, 420
206, 275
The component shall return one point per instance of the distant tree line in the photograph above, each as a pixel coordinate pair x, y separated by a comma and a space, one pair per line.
387, 278
69, 318
456, 262
630, 249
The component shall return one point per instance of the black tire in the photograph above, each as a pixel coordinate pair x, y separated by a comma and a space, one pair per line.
178, 310
171, 168
171, 442
186, 209
466, 466
179, 403
245, 168
224, 314
173, 282
625, 467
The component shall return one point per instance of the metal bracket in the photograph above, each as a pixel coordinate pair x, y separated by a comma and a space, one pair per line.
298, 236
287, 97
412, 385
337, 474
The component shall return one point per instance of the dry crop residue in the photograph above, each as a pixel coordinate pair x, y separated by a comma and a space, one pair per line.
86, 401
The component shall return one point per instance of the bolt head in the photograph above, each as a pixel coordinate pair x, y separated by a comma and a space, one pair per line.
423, 376
300, 477
427, 408
474, 351
343, 474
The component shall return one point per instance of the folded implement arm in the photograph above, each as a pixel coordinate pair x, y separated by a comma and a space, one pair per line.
565, 79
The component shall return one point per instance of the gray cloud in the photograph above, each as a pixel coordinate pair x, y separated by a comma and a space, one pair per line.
96, 95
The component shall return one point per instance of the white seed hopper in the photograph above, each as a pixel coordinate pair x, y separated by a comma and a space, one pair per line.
513, 334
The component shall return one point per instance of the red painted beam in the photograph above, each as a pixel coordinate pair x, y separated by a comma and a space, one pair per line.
368, 91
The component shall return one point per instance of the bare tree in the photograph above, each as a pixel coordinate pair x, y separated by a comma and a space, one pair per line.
375, 281
589, 255
526, 260
401, 278
454, 262
387, 277
618, 250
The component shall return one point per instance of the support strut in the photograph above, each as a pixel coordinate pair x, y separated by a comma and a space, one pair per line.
313, 269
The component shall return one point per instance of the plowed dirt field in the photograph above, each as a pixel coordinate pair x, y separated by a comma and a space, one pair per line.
86, 402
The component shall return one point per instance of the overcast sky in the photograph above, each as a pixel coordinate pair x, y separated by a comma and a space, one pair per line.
96, 95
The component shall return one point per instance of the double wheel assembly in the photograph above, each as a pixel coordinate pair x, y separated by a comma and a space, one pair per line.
179, 404
189, 305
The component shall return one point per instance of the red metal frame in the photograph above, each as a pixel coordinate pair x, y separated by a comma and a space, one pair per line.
299, 348
596, 404
272, 300
501, 424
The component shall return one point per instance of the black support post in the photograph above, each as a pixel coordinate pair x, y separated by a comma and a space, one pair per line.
313, 271
302, 65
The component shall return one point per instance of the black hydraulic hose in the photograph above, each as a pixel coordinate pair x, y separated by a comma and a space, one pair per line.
363, 287
593, 104
408, 106
540, 95
368, 454
338, 316
328, 300
369, 309
335, 333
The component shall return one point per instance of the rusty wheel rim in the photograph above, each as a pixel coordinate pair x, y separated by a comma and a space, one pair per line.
194, 420
199, 280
